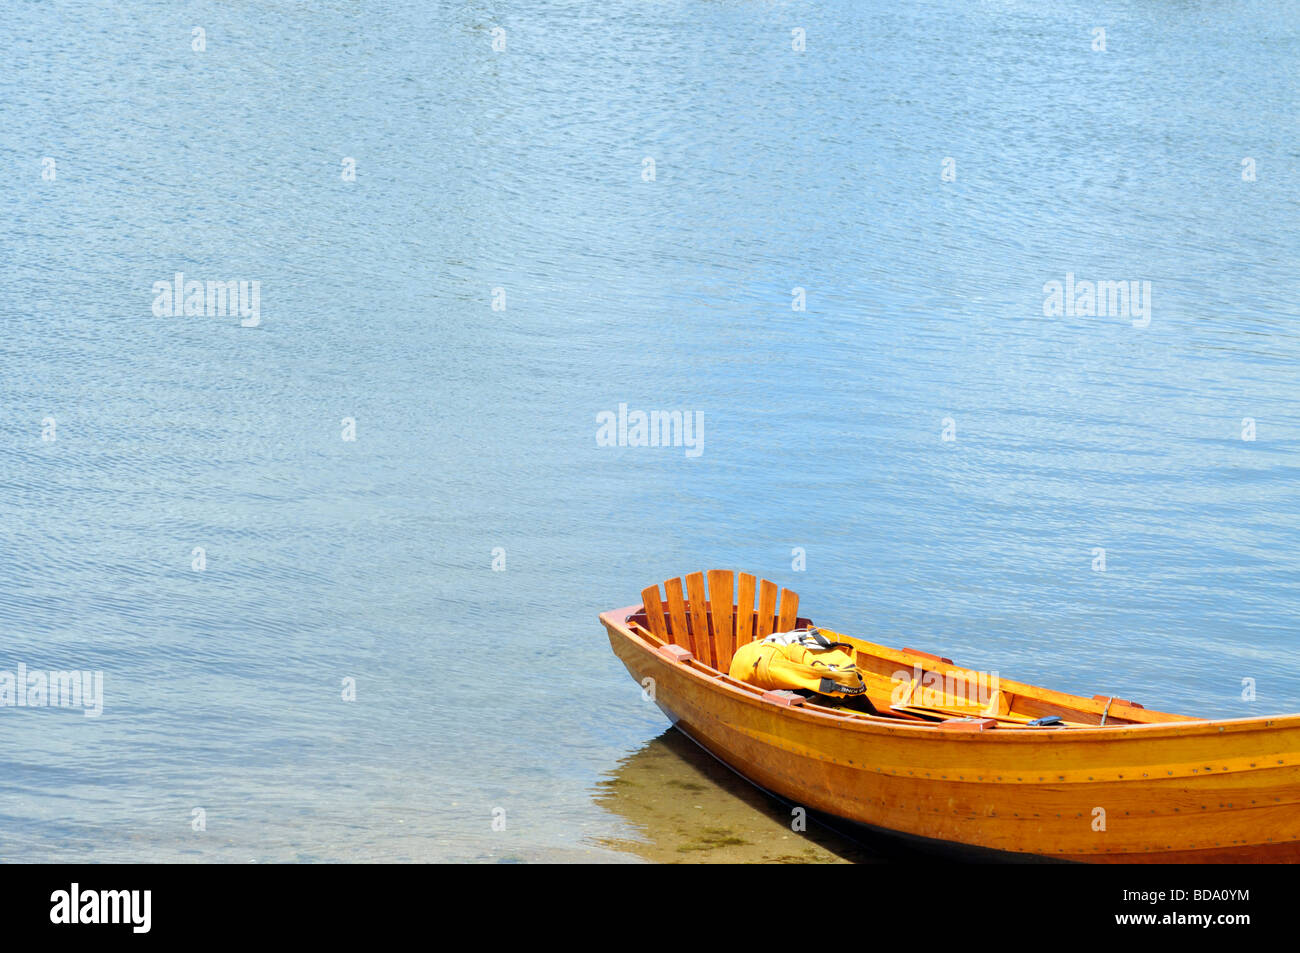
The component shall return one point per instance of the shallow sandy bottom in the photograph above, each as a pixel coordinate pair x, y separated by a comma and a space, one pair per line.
683, 806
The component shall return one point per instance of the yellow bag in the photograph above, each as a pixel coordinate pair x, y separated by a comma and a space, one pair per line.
804, 659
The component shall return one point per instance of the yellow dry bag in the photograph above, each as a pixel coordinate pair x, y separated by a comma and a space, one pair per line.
804, 659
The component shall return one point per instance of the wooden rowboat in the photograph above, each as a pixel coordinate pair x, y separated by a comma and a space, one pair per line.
945, 756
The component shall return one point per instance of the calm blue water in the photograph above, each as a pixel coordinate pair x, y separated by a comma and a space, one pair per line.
475, 428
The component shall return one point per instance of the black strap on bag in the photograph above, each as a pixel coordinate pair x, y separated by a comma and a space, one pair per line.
821, 640
829, 686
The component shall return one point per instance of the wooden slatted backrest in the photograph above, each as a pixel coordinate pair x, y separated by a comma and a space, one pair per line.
678, 631
654, 612
722, 590
698, 604
766, 609
789, 611
745, 610
709, 623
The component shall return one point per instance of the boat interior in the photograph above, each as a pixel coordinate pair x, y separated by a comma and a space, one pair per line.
701, 619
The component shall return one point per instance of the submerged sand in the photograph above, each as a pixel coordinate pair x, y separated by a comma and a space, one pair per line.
683, 806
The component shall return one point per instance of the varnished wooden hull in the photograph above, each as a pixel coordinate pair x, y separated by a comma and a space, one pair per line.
1188, 791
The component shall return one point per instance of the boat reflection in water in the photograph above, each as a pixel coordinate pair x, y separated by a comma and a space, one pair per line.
684, 806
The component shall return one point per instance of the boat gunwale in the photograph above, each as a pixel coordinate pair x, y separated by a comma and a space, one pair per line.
861, 721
